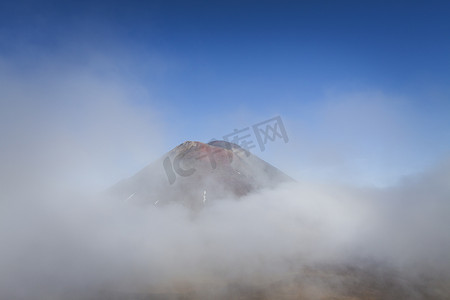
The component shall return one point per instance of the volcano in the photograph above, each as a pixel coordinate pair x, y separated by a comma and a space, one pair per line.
196, 174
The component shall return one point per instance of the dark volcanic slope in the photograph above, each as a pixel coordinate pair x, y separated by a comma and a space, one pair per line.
194, 173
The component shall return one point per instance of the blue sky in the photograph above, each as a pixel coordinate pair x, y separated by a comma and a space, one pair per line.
362, 86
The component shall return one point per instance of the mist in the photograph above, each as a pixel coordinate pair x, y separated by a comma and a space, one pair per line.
60, 246
70, 134
62, 240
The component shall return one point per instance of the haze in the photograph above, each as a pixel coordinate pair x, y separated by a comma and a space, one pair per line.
90, 94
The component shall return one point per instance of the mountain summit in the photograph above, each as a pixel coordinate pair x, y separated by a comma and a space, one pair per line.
194, 173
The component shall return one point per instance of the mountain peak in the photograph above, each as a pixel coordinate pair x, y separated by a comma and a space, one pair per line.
194, 171
195, 145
